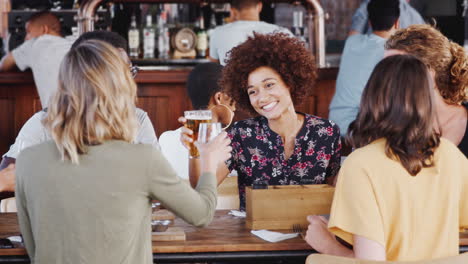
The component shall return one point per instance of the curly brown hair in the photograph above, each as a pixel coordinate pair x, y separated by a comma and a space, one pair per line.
446, 58
278, 51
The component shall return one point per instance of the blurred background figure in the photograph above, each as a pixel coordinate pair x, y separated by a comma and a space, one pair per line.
246, 20
360, 55
360, 21
42, 52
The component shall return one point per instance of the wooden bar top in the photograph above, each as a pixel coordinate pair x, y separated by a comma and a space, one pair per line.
225, 234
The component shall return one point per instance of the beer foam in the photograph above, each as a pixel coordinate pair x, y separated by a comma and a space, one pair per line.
202, 118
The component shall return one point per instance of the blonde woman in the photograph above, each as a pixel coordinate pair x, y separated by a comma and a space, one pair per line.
85, 196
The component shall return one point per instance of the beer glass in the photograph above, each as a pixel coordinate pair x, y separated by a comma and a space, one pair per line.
193, 120
208, 131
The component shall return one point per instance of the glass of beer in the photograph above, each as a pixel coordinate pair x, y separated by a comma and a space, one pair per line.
194, 118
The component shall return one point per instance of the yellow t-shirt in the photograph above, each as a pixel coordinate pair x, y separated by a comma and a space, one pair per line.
414, 218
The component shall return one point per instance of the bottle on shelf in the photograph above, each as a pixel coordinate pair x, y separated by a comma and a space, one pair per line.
202, 39
133, 39
163, 36
148, 39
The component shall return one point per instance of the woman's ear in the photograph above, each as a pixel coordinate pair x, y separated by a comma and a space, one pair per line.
45, 29
218, 98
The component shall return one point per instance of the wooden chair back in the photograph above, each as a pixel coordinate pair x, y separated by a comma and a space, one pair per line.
228, 194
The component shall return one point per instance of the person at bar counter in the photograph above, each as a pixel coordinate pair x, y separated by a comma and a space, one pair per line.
402, 195
449, 62
269, 75
33, 131
360, 21
42, 52
360, 55
204, 93
246, 17
97, 207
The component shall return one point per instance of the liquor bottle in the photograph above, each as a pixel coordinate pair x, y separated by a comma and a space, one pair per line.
148, 39
202, 39
133, 39
163, 36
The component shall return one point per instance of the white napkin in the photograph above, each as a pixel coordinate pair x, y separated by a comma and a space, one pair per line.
271, 236
237, 213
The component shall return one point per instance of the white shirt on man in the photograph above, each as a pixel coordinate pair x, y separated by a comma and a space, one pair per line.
175, 152
228, 36
33, 133
43, 55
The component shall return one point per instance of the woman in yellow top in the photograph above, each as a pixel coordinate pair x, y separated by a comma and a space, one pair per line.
403, 195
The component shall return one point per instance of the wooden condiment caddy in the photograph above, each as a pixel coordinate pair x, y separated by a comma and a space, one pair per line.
280, 207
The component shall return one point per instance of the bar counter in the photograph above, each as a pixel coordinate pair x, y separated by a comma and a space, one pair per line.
161, 93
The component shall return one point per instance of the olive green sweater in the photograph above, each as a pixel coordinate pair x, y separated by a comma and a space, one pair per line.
100, 210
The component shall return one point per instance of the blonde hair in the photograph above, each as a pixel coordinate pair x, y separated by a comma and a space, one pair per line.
446, 58
95, 101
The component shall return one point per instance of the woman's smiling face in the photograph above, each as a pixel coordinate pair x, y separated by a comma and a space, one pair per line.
268, 94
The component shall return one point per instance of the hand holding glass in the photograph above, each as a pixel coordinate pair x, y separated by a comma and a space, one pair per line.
193, 121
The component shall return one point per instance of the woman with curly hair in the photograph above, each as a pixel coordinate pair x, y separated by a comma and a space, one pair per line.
268, 75
401, 196
449, 62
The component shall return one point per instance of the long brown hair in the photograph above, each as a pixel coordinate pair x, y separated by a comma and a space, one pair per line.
95, 100
448, 59
397, 104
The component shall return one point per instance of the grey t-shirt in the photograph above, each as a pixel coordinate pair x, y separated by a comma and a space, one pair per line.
226, 37
100, 210
43, 55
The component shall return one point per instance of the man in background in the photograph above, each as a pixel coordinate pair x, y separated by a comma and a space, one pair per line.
360, 21
42, 52
246, 20
360, 55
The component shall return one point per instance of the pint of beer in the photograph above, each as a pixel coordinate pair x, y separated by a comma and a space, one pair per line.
194, 118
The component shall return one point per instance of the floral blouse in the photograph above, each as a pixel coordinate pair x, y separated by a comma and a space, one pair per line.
258, 154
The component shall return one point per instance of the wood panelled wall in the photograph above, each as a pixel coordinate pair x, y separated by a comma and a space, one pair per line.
160, 93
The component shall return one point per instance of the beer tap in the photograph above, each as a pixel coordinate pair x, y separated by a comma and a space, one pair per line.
465, 8
86, 15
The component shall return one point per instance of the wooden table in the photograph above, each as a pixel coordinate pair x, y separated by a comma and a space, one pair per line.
225, 239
